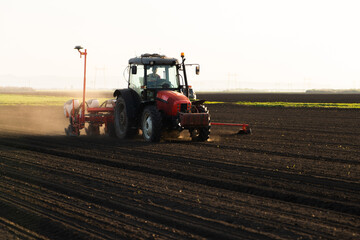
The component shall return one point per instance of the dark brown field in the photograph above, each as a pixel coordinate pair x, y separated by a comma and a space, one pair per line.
296, 177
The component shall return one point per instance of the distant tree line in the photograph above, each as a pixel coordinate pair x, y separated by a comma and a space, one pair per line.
16, 89
345, 91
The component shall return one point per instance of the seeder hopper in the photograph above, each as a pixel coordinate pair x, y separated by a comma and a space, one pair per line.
90, 112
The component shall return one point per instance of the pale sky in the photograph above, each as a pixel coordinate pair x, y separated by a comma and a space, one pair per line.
239, 44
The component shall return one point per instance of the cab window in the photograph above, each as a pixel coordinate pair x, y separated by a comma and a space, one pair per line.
136, 81
162, 76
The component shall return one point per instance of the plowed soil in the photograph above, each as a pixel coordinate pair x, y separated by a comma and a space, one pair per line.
297, 176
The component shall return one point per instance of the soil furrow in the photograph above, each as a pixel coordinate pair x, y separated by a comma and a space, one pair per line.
156, 199
84, 215
287, 154
296, 177
229, 185
185, 222
38, 223
61, 174
270, 225
230, 167
197, 161
17, 231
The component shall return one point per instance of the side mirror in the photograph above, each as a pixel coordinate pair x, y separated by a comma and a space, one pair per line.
133, 70
197, 70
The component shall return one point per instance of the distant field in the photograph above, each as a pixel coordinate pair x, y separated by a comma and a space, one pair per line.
19, 99
58, 100
280, 97
300, 104
291, 104
36, 100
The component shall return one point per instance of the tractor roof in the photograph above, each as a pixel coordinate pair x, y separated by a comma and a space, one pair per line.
150, 59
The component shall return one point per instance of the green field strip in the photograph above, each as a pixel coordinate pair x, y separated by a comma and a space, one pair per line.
300, 104
215, 102
291, 104
33, 100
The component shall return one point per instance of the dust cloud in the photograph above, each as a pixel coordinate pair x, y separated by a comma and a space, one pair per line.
37, 120
50, 120
221, 133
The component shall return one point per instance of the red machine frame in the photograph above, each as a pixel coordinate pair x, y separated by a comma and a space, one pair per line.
96, 116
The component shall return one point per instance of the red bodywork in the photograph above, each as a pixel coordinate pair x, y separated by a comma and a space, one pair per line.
175, 104
170, 102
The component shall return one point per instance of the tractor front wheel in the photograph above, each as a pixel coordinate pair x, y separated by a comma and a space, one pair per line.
151, 124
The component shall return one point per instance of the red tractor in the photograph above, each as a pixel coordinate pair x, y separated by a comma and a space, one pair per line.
157, 100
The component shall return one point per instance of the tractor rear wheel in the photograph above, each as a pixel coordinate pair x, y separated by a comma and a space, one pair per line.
151, 124
121, 119
200, 134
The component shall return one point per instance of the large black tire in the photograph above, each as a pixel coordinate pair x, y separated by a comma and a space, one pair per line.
121, 120
151, 124
200, 134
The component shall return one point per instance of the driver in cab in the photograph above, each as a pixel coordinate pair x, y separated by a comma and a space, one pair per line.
153, 79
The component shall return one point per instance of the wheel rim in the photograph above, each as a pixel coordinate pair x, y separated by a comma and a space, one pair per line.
147, 126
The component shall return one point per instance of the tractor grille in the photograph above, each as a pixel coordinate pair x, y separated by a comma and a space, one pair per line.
183, 107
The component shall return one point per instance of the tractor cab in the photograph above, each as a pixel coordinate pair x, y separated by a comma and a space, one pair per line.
152, 73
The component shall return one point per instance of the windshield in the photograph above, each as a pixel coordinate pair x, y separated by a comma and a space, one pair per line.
162, 76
